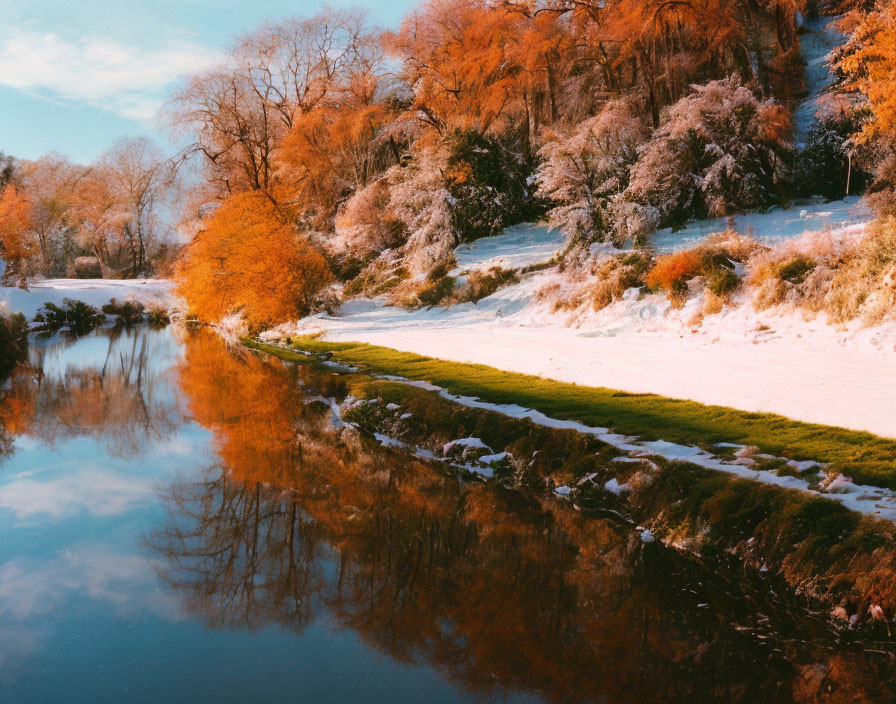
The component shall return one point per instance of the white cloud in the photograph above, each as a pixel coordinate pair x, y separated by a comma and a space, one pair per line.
30, 588
101, 72
100, 493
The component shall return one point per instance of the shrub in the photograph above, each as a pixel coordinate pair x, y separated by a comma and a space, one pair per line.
722, 281
720, 151
483, 284
616, 275
823, 166
365, 226
434, 292
419, 198
582, 171
249, 261
384, 274
864, 284
673, 271
846, 279
713, 260
795, 271
488, 182
79, 317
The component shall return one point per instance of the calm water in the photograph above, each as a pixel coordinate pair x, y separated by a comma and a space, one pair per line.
179, 523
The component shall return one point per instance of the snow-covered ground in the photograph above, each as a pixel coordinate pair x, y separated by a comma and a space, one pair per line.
517, 247
772, 227
96, 292
773, 361
769, 361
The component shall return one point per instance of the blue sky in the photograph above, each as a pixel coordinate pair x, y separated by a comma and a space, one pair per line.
77, 74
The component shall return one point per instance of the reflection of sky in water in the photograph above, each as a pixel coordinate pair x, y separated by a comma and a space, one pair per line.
83, 615
59, 354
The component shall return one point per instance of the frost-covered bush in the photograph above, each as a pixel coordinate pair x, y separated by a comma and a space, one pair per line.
864, 285
420, 199
367, 223
846, 278
481, 284
487, 180
584, 170
720, 150
716, 260
672, 272
435, 289
383, 275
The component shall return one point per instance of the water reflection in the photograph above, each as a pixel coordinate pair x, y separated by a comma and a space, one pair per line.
501, 592
108, 386
165, 495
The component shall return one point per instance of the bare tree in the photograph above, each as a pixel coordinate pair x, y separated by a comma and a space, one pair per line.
140, 178
240, 110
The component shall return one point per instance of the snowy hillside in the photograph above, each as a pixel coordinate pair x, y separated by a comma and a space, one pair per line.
516, 248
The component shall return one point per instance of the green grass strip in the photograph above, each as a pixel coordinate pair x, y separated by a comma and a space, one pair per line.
867, 458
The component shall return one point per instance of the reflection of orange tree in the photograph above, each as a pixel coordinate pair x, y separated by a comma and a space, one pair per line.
251, 406
16, 407
122, 402
497, 590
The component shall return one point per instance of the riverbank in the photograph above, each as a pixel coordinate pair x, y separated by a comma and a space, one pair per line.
861, 455
819, 546
771, 361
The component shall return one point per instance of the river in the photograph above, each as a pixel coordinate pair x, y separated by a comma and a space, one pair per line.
183, 522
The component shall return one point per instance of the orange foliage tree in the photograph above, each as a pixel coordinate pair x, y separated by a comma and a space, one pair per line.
16, 243
248, 260
458, 58
868, 62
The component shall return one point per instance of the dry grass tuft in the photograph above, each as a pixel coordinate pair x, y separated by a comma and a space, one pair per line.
616, 275
845, 278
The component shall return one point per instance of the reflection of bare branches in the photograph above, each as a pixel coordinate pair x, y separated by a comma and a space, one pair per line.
243, 555
124, 401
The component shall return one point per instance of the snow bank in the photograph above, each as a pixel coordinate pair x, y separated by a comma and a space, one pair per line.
96, 292
763, 362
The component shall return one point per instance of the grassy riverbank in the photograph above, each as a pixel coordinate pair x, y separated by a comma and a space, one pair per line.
817, 545
864, 457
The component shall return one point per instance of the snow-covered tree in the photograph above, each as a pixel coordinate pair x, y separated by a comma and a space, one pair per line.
720, 150
420, 199
583, 170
